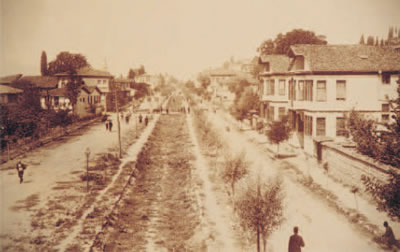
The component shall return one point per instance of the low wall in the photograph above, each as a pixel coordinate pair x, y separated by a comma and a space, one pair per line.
348, 166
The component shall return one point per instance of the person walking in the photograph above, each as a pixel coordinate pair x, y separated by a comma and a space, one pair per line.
388, 237
20, 169
140, 118
146, 121
295, 241
127, 117
107, 124
110, 125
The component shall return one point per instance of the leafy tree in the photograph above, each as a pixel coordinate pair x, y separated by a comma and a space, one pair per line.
131, 74
73, 88
43, 64
247, 102
66, 62
190, 85
362, 40
260, 209
390, 33
235, 169
279, 131
141, 70
296, 36
142, 90
266, 47
370, 40
387, 195
204, 81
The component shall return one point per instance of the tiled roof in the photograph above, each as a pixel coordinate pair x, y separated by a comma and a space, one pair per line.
89, 72
278, 63
42, 81
4, 89
352, 58
10, 78
58, 92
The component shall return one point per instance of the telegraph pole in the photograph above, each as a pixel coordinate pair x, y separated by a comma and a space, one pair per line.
119, 125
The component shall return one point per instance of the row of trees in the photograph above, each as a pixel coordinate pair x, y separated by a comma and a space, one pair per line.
65, 62
393, 36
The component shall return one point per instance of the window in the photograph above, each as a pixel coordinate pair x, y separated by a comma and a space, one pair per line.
385, 107
301, 90
341, 127
320, 126
385, 118
271, 87
309, 90
341, 90
291, 90
321, 90
98, 81
281, 112
104, 81
271, 113
386, 78
282, 87
308, 125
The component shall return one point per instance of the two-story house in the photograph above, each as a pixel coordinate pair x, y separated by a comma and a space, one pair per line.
273, 87
92, 78
151, 80
326, 82
219, 81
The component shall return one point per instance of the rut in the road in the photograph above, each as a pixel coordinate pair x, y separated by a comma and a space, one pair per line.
161, 212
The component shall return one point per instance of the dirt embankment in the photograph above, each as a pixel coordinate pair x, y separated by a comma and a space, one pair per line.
160, 211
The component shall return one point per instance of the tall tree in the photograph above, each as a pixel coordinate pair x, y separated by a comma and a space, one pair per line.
266, 47
131, 74
43, 64
67, 62
260, 209
279, 131
141, 70
297, 36
362, 40
73, 88
390, 33
370, 40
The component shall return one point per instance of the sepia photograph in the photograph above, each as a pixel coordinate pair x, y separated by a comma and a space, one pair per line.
199, 126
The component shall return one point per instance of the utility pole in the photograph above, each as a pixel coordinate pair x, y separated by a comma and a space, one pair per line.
119, 125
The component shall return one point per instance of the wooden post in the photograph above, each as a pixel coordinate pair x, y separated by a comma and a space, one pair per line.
118, 122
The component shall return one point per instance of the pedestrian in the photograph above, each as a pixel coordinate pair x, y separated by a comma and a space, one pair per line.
388, 237
20, 169
107, 125
140, 118
127, 117
146, 120
167, 111
295, 241
110, 124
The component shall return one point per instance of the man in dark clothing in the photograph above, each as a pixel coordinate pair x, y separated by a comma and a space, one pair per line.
140, 118
295, 241
110, 124
20, 168
107, 125
389, 237
146, 120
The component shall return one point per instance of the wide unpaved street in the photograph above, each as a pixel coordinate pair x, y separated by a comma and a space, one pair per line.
165, 194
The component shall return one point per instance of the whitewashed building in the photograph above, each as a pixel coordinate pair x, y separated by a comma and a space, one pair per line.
326, 82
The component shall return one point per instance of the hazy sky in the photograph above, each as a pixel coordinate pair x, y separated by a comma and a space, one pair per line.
175, 36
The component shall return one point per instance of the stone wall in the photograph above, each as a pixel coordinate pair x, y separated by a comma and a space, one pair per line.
348, 166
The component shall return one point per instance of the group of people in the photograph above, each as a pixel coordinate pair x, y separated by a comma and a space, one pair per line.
109, 125
296, 242
146, 119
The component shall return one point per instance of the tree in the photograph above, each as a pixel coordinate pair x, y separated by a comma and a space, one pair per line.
260, 209
296, 36
190, 85
279, 131
66, 62
390, 33
370, 40
247, 102
387, 195
362, 41
377, 41
235, 169
43, 64
131, 74
73, 88
141, 70
266, 47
